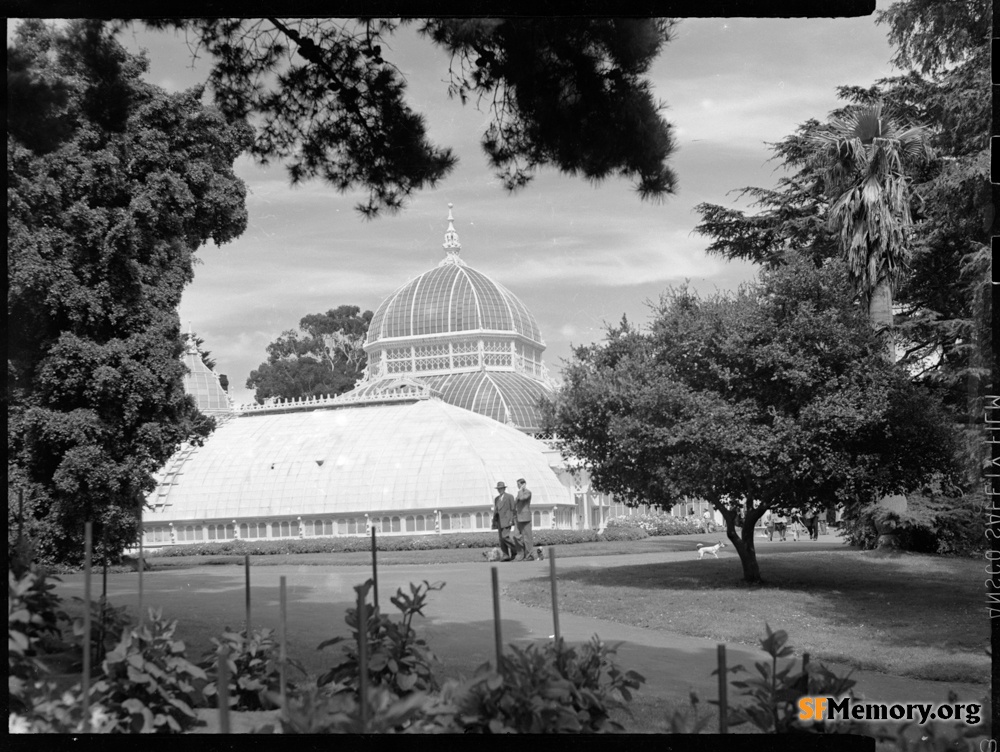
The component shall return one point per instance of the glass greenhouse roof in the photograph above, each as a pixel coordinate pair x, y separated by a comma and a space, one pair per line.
451, 298
202, 384
366, 459
504, 396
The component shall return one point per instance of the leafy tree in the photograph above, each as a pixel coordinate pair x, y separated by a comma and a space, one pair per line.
943, 311
105, 213
330, 105
324, 358
777, 397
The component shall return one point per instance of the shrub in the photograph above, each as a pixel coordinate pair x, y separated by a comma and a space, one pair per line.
658, 524
773, 693
254, 669
148, 684
623, 533
547, 689
345, 544
934, 524
397, 659
33, 617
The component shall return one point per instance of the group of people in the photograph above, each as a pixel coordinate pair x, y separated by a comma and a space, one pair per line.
512, 521
779, 523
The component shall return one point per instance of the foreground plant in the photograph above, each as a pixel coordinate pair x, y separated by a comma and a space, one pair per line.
397, 658
148, 685
548, 689
254, 669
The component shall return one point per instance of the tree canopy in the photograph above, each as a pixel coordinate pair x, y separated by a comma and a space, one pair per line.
325, 357
943, 303
328, 102
777, 397
112, 186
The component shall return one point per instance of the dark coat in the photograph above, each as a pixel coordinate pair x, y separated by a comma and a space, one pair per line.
503, 505
522, 505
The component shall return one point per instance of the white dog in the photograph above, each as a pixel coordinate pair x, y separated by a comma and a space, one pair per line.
539, 553
714, 550
494, 554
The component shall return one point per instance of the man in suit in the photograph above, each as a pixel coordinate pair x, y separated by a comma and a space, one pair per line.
522, 511
503, 513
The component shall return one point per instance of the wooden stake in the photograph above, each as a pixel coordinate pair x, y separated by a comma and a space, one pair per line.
283, 636
140, 577
723, 709
363, 661
87, 552
246, 566
374, 572
496, 617
222, 688
555, 596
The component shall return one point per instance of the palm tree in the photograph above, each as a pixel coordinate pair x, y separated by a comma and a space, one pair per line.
863, 157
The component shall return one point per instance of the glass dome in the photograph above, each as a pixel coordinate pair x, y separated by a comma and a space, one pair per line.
466, 336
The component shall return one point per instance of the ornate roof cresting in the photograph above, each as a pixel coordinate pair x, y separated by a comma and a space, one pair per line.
451, 246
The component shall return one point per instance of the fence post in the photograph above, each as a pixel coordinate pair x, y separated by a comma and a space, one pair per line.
246, 566
723, 708
498, 636
555, 596
87, 553
374, 571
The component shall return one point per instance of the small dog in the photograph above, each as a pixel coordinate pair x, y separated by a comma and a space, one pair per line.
714, 550
494, 554
539, 553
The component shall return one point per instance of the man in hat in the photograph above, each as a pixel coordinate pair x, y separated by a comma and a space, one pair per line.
503, 514
522, 513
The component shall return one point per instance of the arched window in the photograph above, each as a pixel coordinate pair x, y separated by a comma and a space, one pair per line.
199, 533
308, 527
420, 523
536, 519
284, 529
396, 524
189, 533
352, 526
342, 527
327, 527
410, 524
295, 528
446, 522
230, 530
386, 525
466, 521
211, 532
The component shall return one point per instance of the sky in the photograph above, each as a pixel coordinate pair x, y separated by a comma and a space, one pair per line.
578, 255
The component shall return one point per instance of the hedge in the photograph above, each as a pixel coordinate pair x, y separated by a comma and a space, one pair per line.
391, 543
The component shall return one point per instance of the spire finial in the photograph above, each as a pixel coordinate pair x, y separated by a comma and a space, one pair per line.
451, 244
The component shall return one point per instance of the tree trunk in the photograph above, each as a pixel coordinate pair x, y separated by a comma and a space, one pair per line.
880, 314
748, 554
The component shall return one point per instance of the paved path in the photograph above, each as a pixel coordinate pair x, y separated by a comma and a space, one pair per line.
459, 623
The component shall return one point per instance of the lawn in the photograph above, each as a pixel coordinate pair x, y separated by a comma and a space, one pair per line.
908, 615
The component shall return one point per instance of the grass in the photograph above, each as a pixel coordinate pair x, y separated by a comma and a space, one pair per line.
911, 615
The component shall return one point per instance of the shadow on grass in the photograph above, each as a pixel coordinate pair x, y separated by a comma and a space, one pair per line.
922, 601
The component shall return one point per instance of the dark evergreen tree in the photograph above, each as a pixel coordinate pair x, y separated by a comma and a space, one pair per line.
105, 211
569, 92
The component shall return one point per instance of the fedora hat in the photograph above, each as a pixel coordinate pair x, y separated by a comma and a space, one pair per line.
501, 484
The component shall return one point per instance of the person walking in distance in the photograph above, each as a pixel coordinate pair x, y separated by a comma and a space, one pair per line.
503, 513
522, 510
